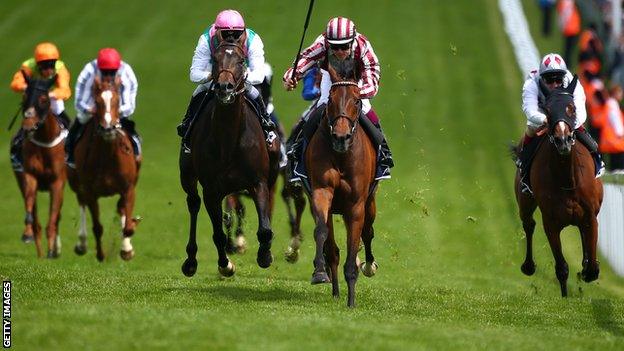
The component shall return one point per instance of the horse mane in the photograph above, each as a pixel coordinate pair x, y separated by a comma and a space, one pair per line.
346, 69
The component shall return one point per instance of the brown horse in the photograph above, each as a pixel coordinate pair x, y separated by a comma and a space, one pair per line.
564, 188
43, 152
105, 166
341, 164
228, 155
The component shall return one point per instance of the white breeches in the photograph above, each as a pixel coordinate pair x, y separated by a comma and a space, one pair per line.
57, 106
326, 87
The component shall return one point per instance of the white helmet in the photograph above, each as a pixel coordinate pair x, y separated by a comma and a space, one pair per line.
552, 64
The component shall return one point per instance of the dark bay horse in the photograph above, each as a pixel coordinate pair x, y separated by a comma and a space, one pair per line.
341, 167
228, 155
565, 189
43, 152
293, 197
105, 166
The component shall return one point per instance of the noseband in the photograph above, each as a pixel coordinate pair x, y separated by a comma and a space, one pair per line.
352, 123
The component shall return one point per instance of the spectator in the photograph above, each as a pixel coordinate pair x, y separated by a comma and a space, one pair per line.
570, 23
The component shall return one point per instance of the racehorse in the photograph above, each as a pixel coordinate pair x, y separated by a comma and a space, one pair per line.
564, 188
228, 155
293, 197
43, 153
340, 160
105, 166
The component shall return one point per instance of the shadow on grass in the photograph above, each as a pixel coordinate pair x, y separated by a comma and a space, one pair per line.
240, 293
604, 317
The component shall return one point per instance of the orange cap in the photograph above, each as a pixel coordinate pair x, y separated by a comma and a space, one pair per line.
46, 51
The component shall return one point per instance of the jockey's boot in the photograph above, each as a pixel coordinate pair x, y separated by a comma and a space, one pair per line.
192, 109
64, 119
294, 136
268, 127
17, 161
385, 162
130, 127
583, 136
529, 146
75, 131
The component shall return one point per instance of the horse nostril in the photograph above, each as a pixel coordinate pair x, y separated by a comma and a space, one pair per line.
230, 86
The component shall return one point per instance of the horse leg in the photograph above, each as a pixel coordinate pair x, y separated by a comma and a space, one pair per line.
215, 211
354, 221
589, 236
30, 200
228, 222
98, 230
81, 246
332, 255
129, 224
321, 205
262, 199
561, 266
369, 268
193, 204
240, 244
291, 192
527, 207
56, 201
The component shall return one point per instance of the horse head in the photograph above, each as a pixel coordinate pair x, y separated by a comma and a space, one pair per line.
561, 114
228, 71
36, 102
106, 95
344, 106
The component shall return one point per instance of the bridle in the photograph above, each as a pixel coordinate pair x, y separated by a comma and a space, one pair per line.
352, 123
551, 137
238, 83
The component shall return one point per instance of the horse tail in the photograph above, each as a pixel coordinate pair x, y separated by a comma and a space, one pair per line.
514, 151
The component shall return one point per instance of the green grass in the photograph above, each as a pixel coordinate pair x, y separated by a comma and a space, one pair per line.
448, 239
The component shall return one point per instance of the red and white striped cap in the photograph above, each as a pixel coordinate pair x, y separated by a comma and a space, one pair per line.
340, 30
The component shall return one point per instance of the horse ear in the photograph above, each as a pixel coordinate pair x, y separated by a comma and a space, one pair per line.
572, 86
26, 76
543, 88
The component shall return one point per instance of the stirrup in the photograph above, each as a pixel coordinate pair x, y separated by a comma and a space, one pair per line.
525, 189
601, 170
270, 136
382, 172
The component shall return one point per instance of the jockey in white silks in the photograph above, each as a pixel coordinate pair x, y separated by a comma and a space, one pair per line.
230, 26
552, 74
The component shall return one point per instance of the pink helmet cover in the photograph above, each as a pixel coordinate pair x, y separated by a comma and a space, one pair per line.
229, 19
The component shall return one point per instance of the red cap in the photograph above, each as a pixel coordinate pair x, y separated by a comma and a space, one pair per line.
108, 58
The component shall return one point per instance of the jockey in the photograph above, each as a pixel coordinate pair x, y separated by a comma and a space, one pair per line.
230, 26
45, 64
553, 73
341, 41
107, 64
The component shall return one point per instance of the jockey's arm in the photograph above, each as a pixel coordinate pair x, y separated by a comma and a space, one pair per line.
309, 58
256, 69
83, 101
530, 105
62, 90
369, 83
18, 84
201, 66
579, 103
129, 89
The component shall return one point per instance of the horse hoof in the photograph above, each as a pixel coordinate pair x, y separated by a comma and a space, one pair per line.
100, 257
589, 276
80, 249
264, 258
53, 254
228, 270
126, 255
528, 268
291, 255
369, 270
26, 239
189, 267
320, 278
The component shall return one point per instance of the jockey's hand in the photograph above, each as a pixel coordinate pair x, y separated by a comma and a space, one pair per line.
51, 95
290, 84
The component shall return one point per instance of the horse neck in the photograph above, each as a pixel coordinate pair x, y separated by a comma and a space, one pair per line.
49, 130
562, 167
227, 121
